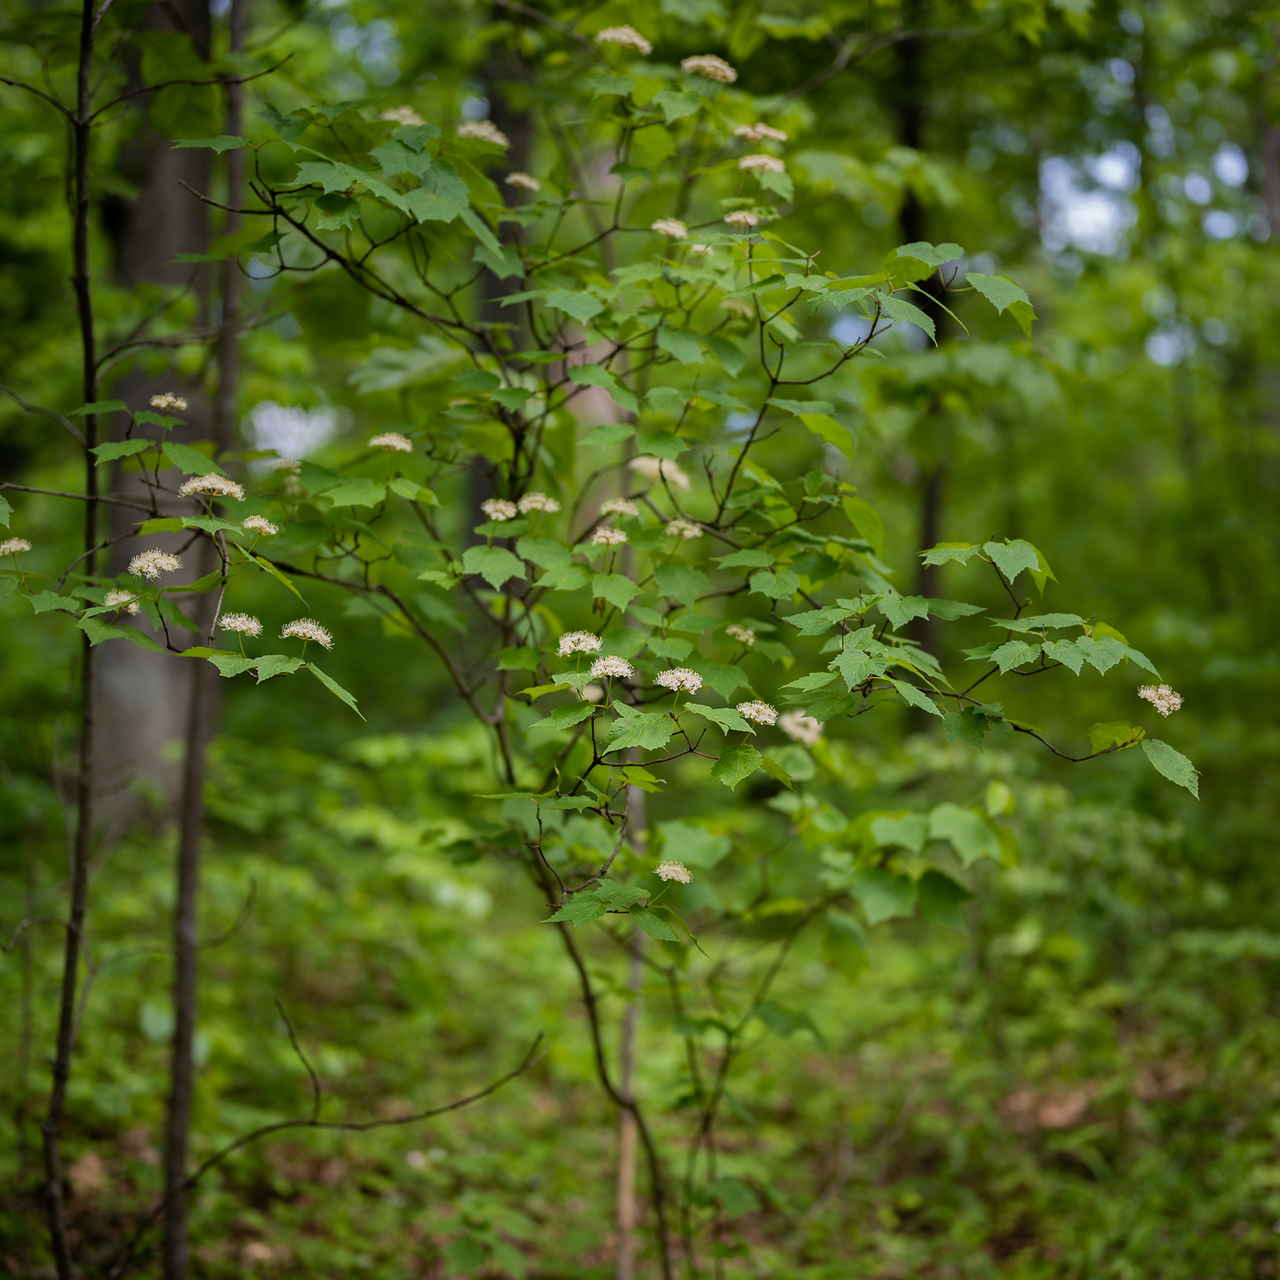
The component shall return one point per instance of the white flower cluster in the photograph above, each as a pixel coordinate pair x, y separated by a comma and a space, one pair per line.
608, 537
307, 629
537, 502
651, 468
679, 680
1161, 697
701, 249
150, 564
762, 164
259, 524
612, 668
745, 635
674, 871
214, 485
670, 227
11, 546
525, 181
682, 528
245, 623
800, 727
291, 465
758, 712
168, 402
578, 642
402, 115
709, 67
392, 442
742, 219
499, 509
624, 38
484, 131
619, 507
758, 132
121, 599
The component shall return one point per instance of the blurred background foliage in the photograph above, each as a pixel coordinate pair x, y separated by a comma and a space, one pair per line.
1080, 1079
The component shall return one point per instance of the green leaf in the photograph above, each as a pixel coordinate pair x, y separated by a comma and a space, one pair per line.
726, 717
901, 609
190, 461
120, 449
592, 375
904, 313
1013, 653
941, 898
680, 343
652, 923
583, 307
776, 771
1173, 764
494, 564
675, 105
357, 492
909, 830
866, 520
481, 230
969, 726
48, 601
98, 631
518, 658
582, 908
223, 142
882, 894
565, 717
336, 211
100, 406
1012, 557
681, 581
1000, 291
785, 1023
616, 895
620, 85
277, 575
969, 831
736, 763
650, 730
731, 358
1066, 652
724, 679
277, 664
825, 427
559, 804
565, 577
5, 510
231, 665
672, 648
817, 622
1102, 654
329, 683
776, 586
616, 588
1111, 734
916, 697
608, 435
856, 666
751, 559
945, 552
692, 844
844, 945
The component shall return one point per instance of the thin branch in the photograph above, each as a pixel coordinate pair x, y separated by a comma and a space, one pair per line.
164, 84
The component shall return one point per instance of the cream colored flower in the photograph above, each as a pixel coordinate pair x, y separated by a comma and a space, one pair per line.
701, 249
525, 181
612, 669
674, 871
758, 132
214, 485
710, 67
578, 642
670, 227
606, 536
13, 546
258, 524
484, 131
744, 635
499, 509
1161, 697
392, 442
619, 507
762, 164
150, 564
402, 115
286, 464
682, 528
624, 38
742, 218
168, 402
737, 307
679, 680
652, 468
593, 692
307, 629
758, 712
538, 502
800, 727
121, 599
245, 623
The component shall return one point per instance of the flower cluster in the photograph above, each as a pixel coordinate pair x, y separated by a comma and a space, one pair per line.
608, 537
578, 642
307, 629
612, 668
245, 623
674, 871
761, 164
499, 509
150, 564
745, 635
214, 485
290, 465
484, 131
758, 132
168, 402
525, 181
259, 524
537, 502
11, 546
402, 115
619, 507
800, 727
758, 712
679, 680
670, 227
1161, 697
651, 468
682, 528
742, 219
701, 249
624, 38
121, 599
392, 442
710, 67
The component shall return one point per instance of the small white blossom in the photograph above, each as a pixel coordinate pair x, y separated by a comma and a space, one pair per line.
307, 629
245, 623
392, 442
168, 401
12, 546
701, 249
679, 680
150, 564
710, 67
593, 692
402, 115
126, 600
499, 509
682, 528
259, 524
762, 164
674, 871
538, 502
624, 38
525, 181
800, 727
742, 218
214, 485
608, 537
286, 464
758, 712
652, 468
484, 131
670, 227
619, 507
758, 132
578, 642
1161, 697
737, 307
746, 635
612, 668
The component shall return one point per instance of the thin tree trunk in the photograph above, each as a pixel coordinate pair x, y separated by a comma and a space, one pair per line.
78, 889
